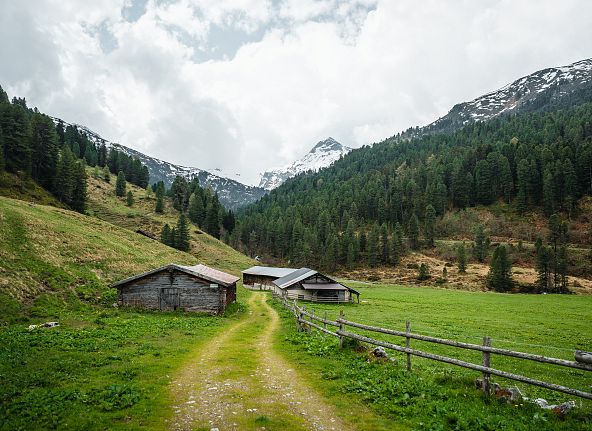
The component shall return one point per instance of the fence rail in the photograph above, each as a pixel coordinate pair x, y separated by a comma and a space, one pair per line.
310, 320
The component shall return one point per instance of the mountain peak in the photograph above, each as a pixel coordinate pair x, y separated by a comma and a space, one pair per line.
323, 154
327, 144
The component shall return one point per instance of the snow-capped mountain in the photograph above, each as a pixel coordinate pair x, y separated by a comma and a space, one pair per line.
540, 90
232, 194
323, 154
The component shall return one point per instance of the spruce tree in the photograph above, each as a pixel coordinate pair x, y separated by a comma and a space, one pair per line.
2, 165
196, 209
373, 246
182, 234
543, 266
44, 147
79, 195
106, 174
165, 234
461, 257
159, 207
130, 198
16, 136
500, 271
65, 180
430, 225
120, 184
212, 222
424, 272
481, 244
413, 231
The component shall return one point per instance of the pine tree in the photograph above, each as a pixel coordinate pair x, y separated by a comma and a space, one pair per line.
373, 246
543, 266
212, 222
500, 271
44, 147
2, 165
384, 244
461, 257
413, 231
430, 225
424, 272
106, 174
196, 209
120, 184
165, 234
182, 234
159, 207
481, 244
65, 180
79, 195
130, 198
16, 136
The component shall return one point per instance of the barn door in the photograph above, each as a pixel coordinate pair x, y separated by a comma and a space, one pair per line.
169, 298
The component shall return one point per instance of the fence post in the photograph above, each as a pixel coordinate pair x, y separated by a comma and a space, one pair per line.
486, 362
310, 318
408, 344
300, 319
341, 316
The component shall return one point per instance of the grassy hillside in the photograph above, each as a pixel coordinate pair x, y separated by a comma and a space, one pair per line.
102, 368
103, 204
26, 189
440, 396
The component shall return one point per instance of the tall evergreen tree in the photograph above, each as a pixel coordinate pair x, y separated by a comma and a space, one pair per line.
120, 184
461, 257
130, 198
196, 210
44, 143
430, 225
500, 271
413, 231
543, 267
481, 244
16, 135
159, 207
165, 235
373, 246
79, 194
182, 233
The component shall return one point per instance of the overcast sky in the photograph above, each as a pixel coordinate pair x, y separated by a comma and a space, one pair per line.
248, 85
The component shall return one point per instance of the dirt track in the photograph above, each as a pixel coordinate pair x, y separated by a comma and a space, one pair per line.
237, 382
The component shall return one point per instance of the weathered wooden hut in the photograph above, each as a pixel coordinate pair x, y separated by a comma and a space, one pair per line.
264, 276
309, 285
173, 287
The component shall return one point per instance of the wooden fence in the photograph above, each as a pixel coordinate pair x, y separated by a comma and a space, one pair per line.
309, 320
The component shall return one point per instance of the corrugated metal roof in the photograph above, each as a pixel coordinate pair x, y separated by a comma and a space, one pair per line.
269, 271
202, 271
323, 286
294, 277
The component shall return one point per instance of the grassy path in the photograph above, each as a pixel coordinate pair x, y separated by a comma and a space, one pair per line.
238, 382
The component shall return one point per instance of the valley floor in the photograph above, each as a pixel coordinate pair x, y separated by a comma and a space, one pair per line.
238, 382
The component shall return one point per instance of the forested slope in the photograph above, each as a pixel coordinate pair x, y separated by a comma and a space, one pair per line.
375, 202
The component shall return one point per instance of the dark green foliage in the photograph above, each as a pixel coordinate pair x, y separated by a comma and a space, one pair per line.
179, 193
480, 249
120, 184
543, 266
134, 171
159, 207
130, 198
165, 235
430, 225
182, 234
500, 271
44, 146
70, 181
16, 133
197, 212
531, 161
461, 258
79, 195
373, 248
424, 272
106, 174
413, 232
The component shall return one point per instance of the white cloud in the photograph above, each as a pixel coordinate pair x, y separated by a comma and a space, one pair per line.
359, 70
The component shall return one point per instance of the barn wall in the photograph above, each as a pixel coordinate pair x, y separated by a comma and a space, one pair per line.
258, 279
145, 291
186, 292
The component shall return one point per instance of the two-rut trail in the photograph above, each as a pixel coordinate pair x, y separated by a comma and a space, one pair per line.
238, 382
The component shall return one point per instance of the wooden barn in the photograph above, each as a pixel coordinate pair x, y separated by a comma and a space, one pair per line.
172, 287
309, 285
263, 276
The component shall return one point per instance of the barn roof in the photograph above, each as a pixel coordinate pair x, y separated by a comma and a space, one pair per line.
294, 277
269, 271
201, 271
303, 274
